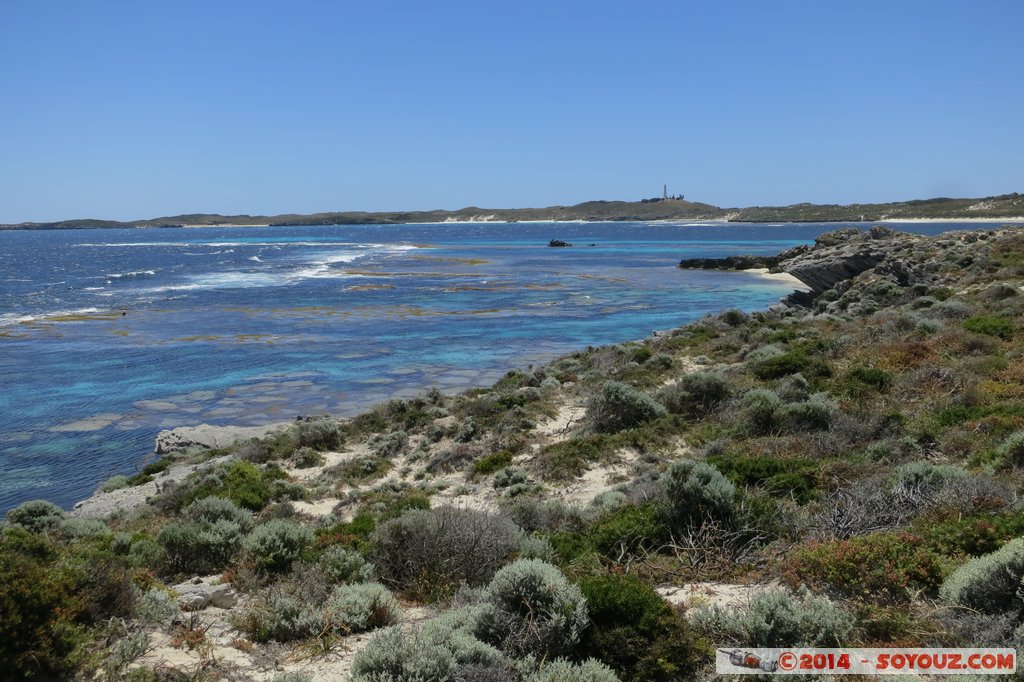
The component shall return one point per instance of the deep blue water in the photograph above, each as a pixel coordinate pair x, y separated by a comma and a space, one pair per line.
108, 336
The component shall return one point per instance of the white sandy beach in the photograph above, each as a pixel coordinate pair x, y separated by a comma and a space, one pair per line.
779, 277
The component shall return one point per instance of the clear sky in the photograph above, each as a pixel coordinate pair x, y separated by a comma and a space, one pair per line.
139, 109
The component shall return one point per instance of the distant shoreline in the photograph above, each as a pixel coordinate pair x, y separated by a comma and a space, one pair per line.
1003, 208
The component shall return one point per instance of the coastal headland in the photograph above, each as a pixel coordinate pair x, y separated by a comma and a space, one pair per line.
1004, 207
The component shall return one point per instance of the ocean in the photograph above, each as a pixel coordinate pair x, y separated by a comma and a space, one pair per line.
109, 336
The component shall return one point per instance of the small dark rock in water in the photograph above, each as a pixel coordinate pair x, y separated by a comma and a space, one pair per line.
558, 242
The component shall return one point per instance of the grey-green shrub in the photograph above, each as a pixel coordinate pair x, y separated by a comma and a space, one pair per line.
428, 552
467, 430
777, 618
342, 565
199, 547
761, 407
73, 528
925, 475
1011, 450
534, 547
562, 670
291, 677
531, 608
695, 393
620, 406
509, 476
391, 444
307, 457
145, 553
280, 617
36, 515
320, 433
431, 653
213, 509
155, 607
697, 491
993, 583
276, 544
607, 501
814, 414
361, 607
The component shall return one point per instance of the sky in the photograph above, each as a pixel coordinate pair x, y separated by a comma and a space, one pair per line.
131, 110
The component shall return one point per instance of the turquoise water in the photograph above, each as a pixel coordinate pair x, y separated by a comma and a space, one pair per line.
108, 336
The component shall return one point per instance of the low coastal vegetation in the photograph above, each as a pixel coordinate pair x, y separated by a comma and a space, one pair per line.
852, 467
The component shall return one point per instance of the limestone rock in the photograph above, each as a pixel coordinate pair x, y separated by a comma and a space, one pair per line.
199, 593
207, 437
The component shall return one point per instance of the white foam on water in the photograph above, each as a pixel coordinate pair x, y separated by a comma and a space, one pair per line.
130, 275
7, 319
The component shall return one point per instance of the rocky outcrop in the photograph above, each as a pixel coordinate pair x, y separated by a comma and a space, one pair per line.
207, 437
841, 255
834, 257
743, 262
199, 593
102, 505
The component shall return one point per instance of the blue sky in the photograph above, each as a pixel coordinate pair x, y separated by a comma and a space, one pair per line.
138, 109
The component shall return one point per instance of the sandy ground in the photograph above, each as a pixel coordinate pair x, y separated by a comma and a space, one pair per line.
779, 277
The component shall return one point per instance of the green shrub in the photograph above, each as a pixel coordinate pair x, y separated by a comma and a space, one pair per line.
37, 516
40, 631
626, 531
570, 458
323, 433
633, 630
242, 482
990, 325
880, 566
777, 618
620, 406
113, 483
971, 535
871, 376
275, 545
488, 464
993, 583
796, 478
427, 553
361, 607
531, 608
355, 533
698, 491
342, 565
795, 361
